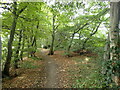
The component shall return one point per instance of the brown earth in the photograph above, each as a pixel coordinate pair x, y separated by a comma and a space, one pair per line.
51, 72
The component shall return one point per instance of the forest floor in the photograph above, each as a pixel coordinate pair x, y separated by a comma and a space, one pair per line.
55, 71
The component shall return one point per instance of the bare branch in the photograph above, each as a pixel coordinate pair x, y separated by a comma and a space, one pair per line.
6, 3
6, 8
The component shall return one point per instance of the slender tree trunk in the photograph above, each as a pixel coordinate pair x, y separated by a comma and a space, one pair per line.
17, 51
51, 52
12, 32
79, 38
33, 42
84, 43
114, 40
23, 43
28, 42
0, 46
70, 43
0, 53
35, 38
34, 47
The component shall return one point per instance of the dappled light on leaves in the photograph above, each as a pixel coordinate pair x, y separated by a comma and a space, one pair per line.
60, 44
87, 59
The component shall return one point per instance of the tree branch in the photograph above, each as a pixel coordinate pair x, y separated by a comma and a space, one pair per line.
93, 32
95, 29
26, 19
6, 3
57, 26
6, 8
5, 27
81, 27
20, 11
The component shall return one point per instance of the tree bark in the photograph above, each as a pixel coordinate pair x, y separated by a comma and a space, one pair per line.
28, 45
16, 14
23, 43
0, 48
107, 49
70, 43
17, 51
9, 54
51, 52
79, 38
114, 40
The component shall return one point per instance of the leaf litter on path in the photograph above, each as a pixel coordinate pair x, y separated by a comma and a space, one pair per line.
55, 71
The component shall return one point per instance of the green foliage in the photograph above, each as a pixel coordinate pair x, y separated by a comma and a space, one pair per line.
107, 66
28, 65
36, 58
111, 68
89, 74
36, 21
66, 54
93, 81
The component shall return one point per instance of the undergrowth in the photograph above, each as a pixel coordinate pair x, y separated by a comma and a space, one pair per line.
28, 65
36, 58
89, 75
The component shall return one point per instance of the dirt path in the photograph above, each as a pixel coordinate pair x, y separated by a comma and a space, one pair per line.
50, 72
51, 69
55, 71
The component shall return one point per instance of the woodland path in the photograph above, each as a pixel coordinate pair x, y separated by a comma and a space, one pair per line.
51, 69
51, 73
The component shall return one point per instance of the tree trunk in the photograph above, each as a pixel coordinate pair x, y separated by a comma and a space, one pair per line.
0, 47
51, 52
79, 38
106, 56
114, 40
17, 51
12, 32
0, 53
70, 43
107, 49
16, 14
28, 45
34, 47
23, 43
